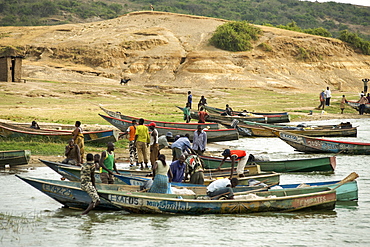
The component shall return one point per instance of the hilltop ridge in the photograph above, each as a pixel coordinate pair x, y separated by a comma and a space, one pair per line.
163, 48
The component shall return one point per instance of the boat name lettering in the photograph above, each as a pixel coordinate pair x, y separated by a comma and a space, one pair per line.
288, 136
168, 205
124, 199
313, 143
329, 146
57, 190
313, 200
117, 122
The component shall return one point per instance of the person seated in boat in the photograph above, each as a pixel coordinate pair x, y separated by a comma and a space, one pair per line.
162, 175
72, 153
78, 137
243, 113
163, 141
202, 102
88, 182
229, 111
222, 188
194, 168
34, 125
237, 155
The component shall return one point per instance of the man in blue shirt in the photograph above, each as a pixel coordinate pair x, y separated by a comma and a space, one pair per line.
190, 98
178, 147
178, 169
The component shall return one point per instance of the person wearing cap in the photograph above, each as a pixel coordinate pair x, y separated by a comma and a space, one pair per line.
236, 155
142, 140
163, 140
154, 147
199, 140
322, 100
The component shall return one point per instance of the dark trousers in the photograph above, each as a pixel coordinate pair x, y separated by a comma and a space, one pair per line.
361, 109
327, 101
227, 192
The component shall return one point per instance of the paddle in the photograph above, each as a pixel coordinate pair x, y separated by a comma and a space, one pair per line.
347, 179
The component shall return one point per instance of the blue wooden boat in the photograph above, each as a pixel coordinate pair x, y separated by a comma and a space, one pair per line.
212, 135
318, 145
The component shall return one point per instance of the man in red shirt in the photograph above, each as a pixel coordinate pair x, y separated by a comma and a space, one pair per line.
202, 115
236, 155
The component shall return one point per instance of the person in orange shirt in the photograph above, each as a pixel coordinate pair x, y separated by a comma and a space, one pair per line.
236, 155
202, 115
131, 132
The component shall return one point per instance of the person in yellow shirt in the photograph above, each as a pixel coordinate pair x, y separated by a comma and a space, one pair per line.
142, 141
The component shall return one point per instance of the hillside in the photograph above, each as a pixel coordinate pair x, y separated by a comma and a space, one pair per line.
160, 48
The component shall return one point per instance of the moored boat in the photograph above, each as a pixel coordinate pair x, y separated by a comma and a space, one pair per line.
356, 106
14, 157
319, 145
212, 135
220, 111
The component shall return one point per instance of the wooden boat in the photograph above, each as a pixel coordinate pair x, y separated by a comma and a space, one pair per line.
162, 203
257, 129
212, 135
346, 192
14, 157
220, 111
318, 145
115, 197
321, 164
16, 131
355, 105
72, 173
161, 123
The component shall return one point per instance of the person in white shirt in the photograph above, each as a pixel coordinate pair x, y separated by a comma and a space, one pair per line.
328, 96
222, 188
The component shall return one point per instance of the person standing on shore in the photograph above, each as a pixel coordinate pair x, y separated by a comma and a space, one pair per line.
190, 99
131, 132
362, 103
154, 146
187, 111
142, 141
202, 115
199, 140
202, 102
343, 103
88, 182
365, 81
327, 96
108, 165
78, 138
322, 100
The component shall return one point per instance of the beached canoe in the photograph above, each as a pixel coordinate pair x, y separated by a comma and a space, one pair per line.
115, 197
162, 123
321, 164
318, 145
355, 105
14, 157
220, 111
257, 129
212, 135
218, 118
17, 131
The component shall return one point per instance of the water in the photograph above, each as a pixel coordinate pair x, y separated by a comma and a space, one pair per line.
30, 218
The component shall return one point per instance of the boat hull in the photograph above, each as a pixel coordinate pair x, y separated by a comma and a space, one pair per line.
14, 158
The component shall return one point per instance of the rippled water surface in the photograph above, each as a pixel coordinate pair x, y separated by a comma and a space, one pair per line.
30, 218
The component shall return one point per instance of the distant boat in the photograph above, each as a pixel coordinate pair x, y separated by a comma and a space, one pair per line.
318, 145
14, 157
115, 197
16, 131
321, 164
355, 105
162, 123
257, 129
212, 135
220, 111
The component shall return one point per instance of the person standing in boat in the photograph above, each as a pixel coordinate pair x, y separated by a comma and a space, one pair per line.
161, 176
78, 138
108, 165
163, 141
222, 188
154, 146
131, 132
194, 168
236, 155
88, 182
72, 153
199, 140
142, 140
180, 146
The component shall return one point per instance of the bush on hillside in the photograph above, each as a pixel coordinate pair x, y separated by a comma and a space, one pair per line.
356, 41
235, 36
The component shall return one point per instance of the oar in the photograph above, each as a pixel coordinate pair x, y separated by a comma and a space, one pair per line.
347, 179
